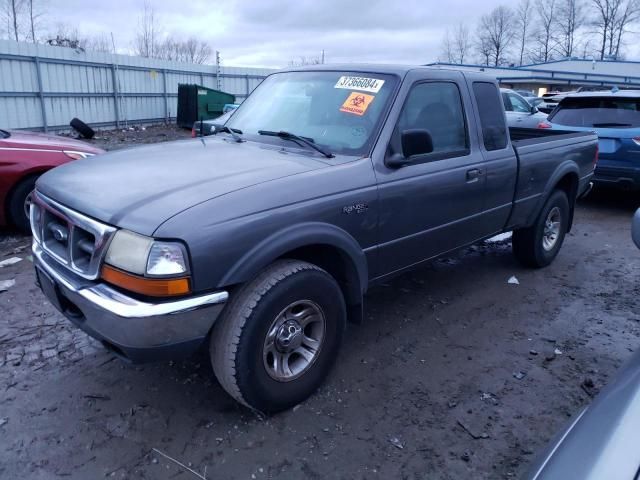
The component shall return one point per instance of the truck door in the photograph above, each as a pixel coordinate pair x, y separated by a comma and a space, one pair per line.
501, 165
433, 204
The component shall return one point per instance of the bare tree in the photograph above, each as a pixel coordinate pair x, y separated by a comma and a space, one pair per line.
484, 50
495, 32
302, 61
191, 50
546, 35
524, 16
462, 43
99, 43
11, 11
146, 39
21, 19
571, 17
447, 47
606, 14
628, 14
456, 46
35, 14
197, 51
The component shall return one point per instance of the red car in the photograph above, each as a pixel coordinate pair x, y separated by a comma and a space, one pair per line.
24, 156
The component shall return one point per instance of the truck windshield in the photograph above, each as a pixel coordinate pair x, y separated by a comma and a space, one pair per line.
605, 112
335, 110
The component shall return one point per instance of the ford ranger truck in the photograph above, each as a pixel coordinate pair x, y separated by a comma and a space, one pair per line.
260, 242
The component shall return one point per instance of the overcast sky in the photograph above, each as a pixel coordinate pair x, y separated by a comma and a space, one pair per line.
271, 33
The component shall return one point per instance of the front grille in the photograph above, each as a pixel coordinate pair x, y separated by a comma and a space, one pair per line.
74, 240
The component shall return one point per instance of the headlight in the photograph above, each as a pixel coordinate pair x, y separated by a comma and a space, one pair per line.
77, 155
129, 252
166, 259
146, 266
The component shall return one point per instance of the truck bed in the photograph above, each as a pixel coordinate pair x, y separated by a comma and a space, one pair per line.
532, 136
539, 152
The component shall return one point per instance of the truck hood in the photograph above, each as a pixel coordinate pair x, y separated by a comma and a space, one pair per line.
140, 188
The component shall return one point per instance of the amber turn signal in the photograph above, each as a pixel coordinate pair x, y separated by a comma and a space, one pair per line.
153, 287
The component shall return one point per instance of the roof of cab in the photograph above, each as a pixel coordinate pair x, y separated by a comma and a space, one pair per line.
399, 70
376, 68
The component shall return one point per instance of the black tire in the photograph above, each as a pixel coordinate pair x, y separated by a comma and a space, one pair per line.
238, 347
529, 244
16, 204
82, 128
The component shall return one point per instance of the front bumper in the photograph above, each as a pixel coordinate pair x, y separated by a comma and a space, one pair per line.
136, 330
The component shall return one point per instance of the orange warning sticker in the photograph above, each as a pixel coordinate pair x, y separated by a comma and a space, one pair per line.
357, 103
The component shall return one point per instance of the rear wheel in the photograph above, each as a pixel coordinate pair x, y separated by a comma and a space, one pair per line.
538, 245
279, 336
18, 205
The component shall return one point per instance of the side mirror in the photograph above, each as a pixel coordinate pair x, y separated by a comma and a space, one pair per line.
635, 228
414, 141
534, 109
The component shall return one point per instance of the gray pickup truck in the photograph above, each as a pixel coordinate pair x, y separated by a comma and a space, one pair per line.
260, 242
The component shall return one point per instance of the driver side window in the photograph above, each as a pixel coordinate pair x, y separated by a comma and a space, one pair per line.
437, 108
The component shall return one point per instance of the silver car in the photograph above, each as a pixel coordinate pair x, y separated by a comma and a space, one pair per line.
520, 113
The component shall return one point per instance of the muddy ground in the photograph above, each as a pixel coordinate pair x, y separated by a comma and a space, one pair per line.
133, 135
426, 388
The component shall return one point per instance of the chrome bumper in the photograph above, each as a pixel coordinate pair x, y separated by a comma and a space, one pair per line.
137, 330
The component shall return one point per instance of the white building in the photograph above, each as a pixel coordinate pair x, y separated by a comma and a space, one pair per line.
561, 75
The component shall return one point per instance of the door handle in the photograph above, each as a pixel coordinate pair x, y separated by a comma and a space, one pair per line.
473, 174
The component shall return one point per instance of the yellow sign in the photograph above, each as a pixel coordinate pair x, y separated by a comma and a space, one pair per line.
357, 103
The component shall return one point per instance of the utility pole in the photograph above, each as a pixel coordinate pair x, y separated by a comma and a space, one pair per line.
322, 57
218, 80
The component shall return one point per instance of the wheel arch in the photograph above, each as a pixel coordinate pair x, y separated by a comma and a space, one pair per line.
565, 178
325, 245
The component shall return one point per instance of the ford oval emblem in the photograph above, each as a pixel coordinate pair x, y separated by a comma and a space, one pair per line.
60, 233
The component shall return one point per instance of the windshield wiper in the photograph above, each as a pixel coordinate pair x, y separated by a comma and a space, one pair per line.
309, 142
612, 124
231, 131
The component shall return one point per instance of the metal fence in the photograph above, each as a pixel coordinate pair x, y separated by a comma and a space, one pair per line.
44, 87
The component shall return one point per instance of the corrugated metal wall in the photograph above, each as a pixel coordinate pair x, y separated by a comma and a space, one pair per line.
44, 87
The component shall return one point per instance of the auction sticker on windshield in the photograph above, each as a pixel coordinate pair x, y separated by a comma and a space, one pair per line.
357, 103
365, 84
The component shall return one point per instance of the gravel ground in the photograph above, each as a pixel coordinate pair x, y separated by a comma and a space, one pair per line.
134, 135
456, 373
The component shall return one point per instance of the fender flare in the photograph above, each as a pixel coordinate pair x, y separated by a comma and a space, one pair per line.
565, 168
292, 238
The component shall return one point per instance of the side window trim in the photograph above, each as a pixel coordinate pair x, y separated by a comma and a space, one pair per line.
442, 155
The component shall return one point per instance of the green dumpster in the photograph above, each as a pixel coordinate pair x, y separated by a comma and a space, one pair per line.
196, 102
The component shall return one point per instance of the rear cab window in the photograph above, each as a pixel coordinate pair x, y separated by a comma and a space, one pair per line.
492, 121
593, 111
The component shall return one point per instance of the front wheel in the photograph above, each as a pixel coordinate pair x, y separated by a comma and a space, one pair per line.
538, 245
279, 336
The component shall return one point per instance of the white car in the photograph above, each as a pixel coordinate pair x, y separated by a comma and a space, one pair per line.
520, 113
